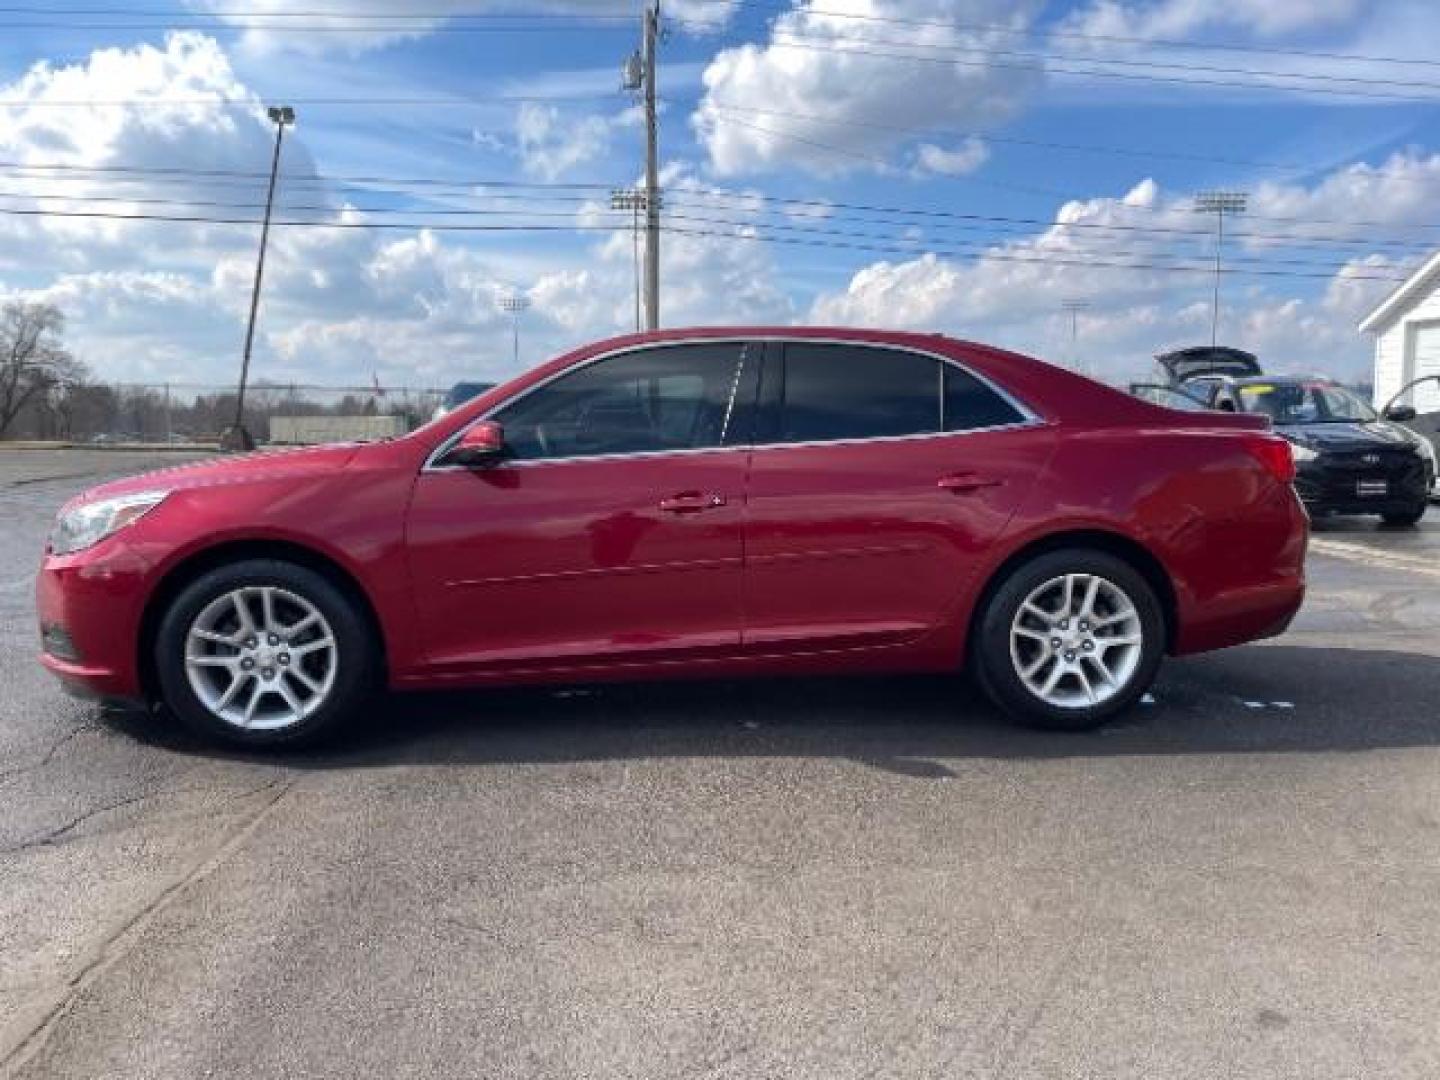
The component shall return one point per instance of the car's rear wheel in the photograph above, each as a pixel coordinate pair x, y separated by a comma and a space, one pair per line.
263, 652
1069, 639
1405, 518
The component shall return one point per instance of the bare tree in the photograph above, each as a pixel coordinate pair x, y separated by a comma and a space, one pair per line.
33, 357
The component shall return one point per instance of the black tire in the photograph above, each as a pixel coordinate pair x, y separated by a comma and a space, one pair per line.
991, 653
355, 657
1405, 518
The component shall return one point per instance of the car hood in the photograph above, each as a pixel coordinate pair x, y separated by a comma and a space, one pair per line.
1359, 435
262, 465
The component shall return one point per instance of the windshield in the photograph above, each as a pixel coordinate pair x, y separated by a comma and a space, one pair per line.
1304, 403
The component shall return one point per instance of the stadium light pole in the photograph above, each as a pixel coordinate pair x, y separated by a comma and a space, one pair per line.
237, 438
1219, 203
515, 305
1073, 308
632, 200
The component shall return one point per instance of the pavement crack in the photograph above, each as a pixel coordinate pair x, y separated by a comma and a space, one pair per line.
119, 943
49, 754
59, 834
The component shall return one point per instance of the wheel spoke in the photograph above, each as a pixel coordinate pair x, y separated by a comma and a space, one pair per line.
1046, 617
303, 678
1053, 679
1067, 604
1087, 606
214, 638
256, 693
1085, 682
1117, 639
267, 611
242, 611
285, 690
1034, 669
1034, 635
289, 632
306, 649
212, 661
240, 679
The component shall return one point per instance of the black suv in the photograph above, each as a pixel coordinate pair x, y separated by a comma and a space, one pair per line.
1349, 459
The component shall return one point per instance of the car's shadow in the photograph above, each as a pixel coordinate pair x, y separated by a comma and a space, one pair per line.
1272, 698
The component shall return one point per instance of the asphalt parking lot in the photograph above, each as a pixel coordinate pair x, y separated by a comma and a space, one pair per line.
826, 878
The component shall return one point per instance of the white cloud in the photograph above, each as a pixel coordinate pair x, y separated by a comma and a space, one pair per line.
966, 158
810, 98
1010, 292
551, 144
1159, 19
373, 24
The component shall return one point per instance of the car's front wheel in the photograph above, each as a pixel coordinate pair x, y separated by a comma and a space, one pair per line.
1069, 639
263, 652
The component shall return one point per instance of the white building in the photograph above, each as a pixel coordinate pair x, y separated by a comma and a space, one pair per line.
1407, 339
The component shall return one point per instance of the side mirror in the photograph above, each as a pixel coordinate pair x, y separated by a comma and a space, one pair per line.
481, 445
1400, 413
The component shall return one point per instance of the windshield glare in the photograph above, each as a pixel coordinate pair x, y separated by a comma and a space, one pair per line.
1304, 403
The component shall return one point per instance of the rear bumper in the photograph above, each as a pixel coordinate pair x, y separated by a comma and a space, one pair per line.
1257, 589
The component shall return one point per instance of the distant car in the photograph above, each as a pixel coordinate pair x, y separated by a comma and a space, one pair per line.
711, 503
1349, 459
1172, 397
458, 395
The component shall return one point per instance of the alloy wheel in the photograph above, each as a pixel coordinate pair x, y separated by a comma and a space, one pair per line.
1076, 641
261, 658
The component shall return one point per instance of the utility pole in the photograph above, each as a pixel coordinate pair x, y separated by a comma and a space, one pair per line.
515, 305
652, 171
237, 438
1219, 203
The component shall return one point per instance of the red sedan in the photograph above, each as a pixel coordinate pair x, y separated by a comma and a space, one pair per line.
692, 503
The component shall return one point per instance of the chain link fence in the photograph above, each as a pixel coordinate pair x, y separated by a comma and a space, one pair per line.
182, 413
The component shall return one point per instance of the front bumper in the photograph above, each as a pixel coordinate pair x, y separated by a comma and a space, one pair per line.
90, 607
1332, 484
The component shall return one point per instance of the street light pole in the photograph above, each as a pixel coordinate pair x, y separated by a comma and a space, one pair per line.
238, 438
1219, 203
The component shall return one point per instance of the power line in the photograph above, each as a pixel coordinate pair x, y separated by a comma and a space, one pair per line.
834, 48
825, 238
1011, 30
1001, 257
559, 18
1088, 148
576, 192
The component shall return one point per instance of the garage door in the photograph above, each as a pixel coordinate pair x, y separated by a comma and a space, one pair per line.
1427, 362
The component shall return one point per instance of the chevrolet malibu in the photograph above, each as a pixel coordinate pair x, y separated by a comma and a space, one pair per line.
708, 503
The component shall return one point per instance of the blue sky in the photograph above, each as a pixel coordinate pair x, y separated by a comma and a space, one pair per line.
997, 159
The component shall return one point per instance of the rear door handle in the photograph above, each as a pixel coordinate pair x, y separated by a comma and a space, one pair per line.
966, 482
691, 502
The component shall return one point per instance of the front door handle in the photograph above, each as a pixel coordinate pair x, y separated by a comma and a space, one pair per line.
963, 483
691, 502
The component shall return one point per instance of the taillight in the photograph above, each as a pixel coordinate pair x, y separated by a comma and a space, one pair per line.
1274, 453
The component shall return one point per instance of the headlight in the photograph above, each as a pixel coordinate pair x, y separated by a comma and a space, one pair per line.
1302, 453
89, 523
